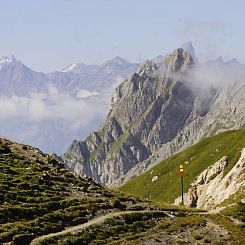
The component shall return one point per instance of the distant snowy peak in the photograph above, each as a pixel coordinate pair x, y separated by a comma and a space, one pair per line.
81, 67
4, 61
190, 49
75, 68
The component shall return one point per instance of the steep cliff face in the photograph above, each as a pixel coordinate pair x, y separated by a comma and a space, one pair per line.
211, 187
154, 114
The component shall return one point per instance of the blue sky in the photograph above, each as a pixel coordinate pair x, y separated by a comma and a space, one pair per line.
50, 34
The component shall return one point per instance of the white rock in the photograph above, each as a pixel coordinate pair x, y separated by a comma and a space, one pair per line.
154, 178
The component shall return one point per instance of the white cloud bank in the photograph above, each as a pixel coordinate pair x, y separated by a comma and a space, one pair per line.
51, 121
213, 76
36, 107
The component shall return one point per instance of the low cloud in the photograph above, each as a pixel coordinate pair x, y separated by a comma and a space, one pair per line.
77, 111
207, 76
51, 121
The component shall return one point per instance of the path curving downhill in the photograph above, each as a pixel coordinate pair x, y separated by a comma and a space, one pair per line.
98, 220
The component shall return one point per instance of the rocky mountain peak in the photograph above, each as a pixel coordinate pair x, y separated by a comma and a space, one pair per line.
147, 68
178, 60
190, 49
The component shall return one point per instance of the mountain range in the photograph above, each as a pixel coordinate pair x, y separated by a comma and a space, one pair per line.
16, 78
48, 110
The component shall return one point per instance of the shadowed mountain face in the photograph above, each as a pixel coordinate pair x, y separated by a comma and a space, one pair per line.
161, 109
50, 110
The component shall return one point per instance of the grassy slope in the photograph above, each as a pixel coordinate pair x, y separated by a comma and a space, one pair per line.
167, 187
38, 196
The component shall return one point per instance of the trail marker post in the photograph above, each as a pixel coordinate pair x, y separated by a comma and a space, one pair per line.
181, 170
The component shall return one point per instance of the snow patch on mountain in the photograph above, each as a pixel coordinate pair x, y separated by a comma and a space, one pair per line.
82, 93
5, 60
76, 68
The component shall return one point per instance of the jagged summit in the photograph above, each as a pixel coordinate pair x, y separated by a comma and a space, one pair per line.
5, 60
187, 46
147, 68
177, 60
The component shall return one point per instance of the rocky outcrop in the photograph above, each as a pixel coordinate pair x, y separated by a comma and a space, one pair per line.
155, 113
211, 187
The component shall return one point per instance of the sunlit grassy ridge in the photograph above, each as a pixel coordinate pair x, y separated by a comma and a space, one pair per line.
38, 196
199, 156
